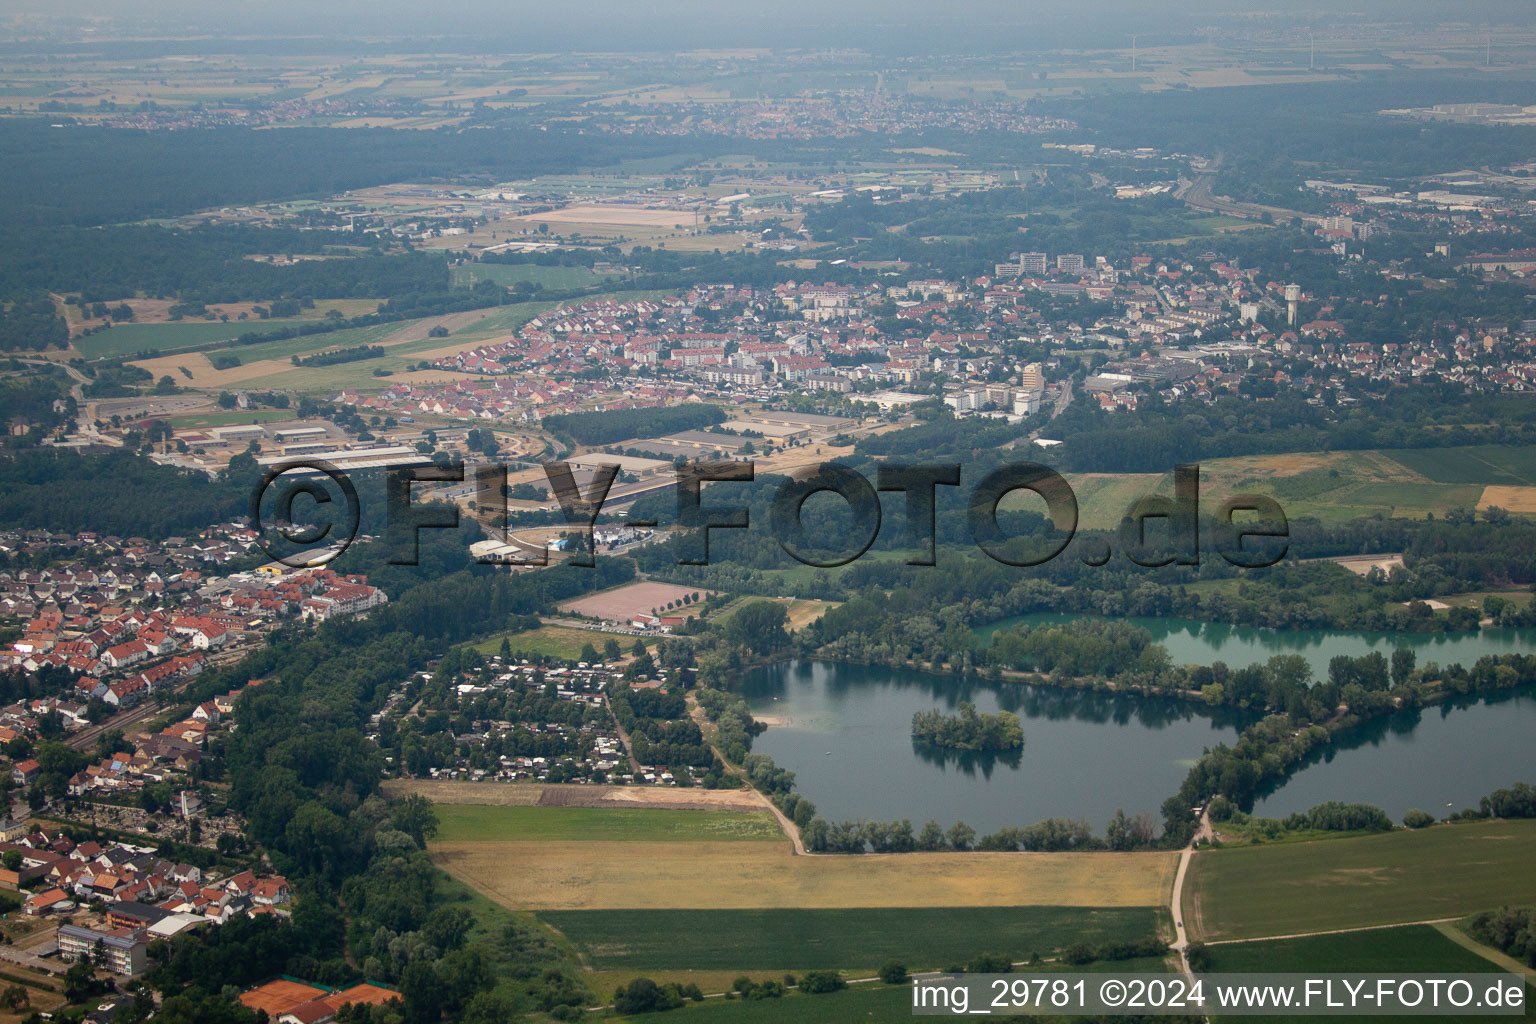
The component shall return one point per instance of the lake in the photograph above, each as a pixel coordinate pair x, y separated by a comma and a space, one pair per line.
846, 733
845, 730
1437, 759
1191, 642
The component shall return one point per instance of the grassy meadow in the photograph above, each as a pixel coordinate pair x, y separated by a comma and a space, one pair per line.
1401, 877
471, 823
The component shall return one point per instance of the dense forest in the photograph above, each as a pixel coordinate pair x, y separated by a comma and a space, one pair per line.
90, 176
622, 424
1333, 124
63, 491
208, 264
30, 323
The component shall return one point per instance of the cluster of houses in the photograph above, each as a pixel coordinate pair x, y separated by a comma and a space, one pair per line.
160, 757
826, 115
121, 656
738, 343
133, 897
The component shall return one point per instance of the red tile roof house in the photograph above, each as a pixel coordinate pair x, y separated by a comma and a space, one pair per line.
42, 902
270, 891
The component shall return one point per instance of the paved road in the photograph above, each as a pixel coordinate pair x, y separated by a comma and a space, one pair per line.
1196, 192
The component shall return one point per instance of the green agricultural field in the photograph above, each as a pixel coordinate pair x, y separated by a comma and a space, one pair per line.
1331, 486
283, 348
181, 336
471, 823
1447, 871
852, 939
867, 1003
1511, 465
1413, 949
1408, 497
506, 274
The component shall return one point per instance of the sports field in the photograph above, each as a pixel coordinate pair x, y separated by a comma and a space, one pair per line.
499, 824
863, 939
1447, 871
553, 875
225, 419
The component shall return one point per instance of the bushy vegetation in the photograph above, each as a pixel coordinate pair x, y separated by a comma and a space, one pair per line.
969, 730
340, 355
61, 490
645, 996
1510, 930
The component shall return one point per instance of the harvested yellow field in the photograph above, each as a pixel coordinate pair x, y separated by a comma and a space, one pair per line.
1520, 500
717, 876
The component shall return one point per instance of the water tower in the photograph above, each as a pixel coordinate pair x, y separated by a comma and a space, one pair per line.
1292, 297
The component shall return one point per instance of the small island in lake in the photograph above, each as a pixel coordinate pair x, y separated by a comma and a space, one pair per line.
969, 730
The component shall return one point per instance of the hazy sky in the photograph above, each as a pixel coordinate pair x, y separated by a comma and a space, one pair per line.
811, 24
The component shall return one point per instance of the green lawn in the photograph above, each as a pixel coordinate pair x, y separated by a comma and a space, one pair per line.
465, 823
554, 642
1395, 878
854, 939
